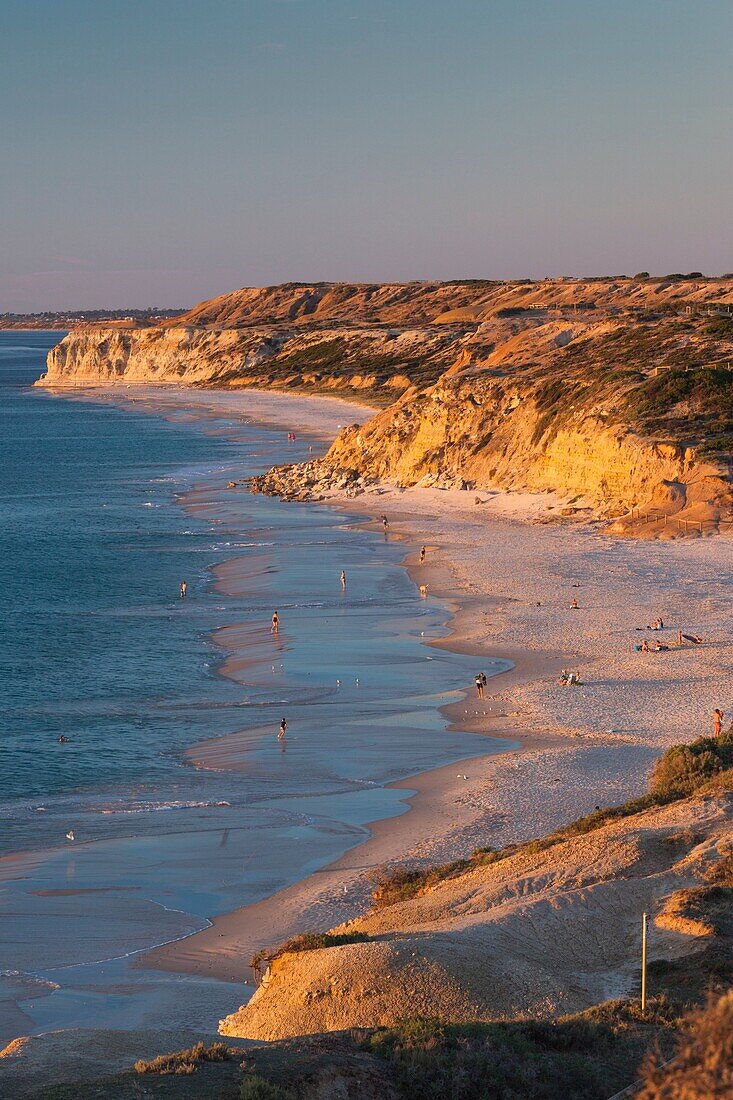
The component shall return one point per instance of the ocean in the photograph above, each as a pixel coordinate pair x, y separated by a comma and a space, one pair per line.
112, 842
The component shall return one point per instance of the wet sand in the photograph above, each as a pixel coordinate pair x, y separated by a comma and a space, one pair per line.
510, 584
443, 822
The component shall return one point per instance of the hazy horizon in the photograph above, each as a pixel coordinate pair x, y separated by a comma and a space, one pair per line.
164, 154
151, 308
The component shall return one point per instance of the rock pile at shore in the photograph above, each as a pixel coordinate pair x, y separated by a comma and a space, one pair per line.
310, 481
313, 480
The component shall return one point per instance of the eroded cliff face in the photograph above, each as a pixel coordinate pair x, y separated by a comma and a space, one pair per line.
598, 389
379, 362
92, 356
492, 433
485, 428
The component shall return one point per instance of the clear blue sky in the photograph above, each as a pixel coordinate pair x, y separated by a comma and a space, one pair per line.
163, 151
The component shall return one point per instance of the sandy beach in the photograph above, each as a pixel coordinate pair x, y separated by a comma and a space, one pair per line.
511, 577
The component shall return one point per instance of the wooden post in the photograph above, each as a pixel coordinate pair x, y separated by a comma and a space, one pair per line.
643, 964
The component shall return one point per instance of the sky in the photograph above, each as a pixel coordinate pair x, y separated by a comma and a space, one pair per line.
159, 152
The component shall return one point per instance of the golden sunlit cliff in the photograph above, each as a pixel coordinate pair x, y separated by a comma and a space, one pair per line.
614, 391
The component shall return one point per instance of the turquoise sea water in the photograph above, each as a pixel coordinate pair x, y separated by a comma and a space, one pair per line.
97, 646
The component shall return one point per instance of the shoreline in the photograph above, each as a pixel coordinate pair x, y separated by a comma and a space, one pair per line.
558, 771
490, 568
224, 949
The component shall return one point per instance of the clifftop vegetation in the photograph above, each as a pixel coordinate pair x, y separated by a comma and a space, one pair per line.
615, 390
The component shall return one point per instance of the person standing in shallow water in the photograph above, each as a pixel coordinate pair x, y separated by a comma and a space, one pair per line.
184, 590
275, 623
342, 578
718, 716
283, 729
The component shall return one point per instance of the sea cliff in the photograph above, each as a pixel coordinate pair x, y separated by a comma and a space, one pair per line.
616, 393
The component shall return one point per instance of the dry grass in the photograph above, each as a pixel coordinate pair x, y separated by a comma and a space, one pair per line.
703, 1066
703, 766
183, 1063
307, 941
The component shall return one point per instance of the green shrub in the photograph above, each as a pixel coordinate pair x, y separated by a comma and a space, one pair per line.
307, 941
707, 391
683, 769
184, 1062
257, 1088
586, 1056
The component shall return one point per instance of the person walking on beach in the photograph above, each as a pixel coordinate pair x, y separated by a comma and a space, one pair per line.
184, 590
283, 729
480, 680
718, 716
385, 524
422, 554
275, 628
342, 578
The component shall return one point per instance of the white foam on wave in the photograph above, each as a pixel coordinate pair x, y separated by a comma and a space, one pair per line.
162, 807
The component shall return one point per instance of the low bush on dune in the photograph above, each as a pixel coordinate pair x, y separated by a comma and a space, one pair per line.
257, 1088
307, 941
703, 1065
720, 873
684, 770
585, 1057
185, 1062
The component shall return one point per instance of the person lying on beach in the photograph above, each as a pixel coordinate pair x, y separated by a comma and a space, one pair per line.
656, 625
659, 646
275, 628
718, 716
569, 679
682, 638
